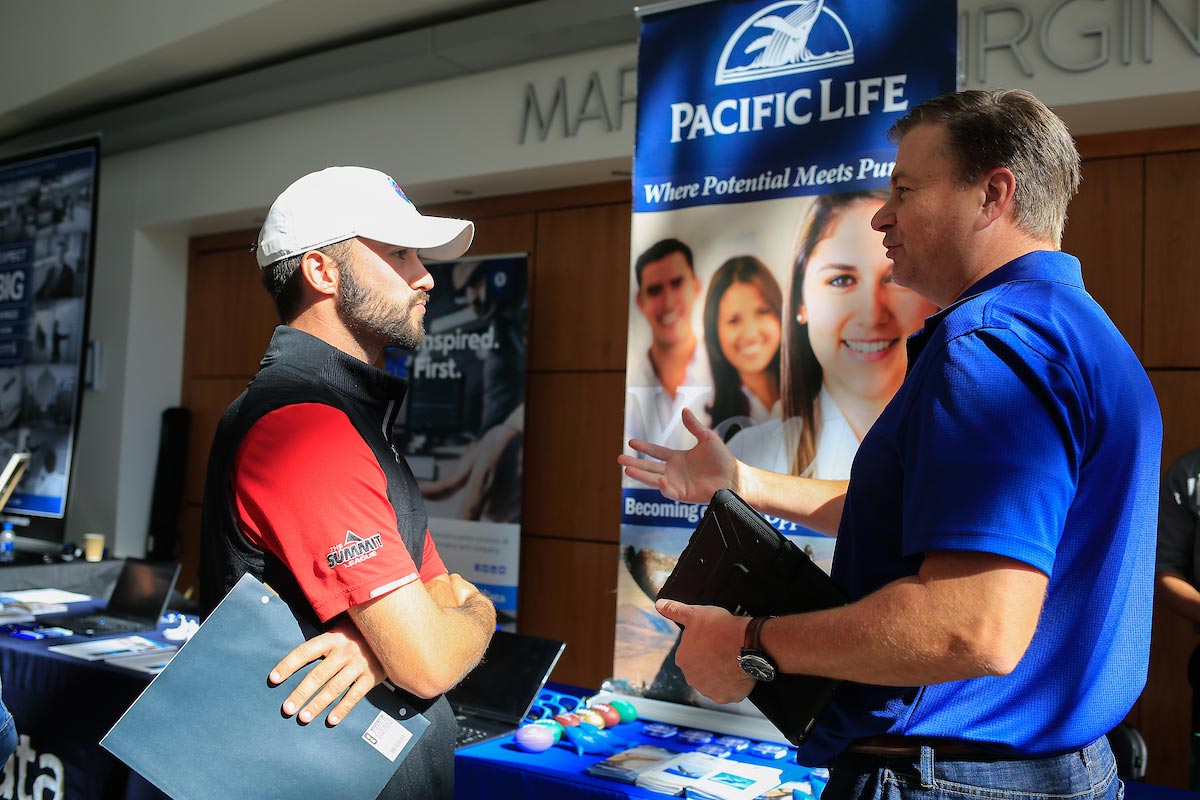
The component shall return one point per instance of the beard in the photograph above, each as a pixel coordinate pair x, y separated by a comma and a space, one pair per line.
378, 316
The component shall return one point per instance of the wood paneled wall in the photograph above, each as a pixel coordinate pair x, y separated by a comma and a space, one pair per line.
1139, 200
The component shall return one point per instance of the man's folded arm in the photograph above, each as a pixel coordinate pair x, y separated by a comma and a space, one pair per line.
428, 636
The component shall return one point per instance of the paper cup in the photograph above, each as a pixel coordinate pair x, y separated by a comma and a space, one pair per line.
93, 546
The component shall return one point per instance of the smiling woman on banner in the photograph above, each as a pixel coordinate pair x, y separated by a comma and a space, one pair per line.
742, 334
844, 356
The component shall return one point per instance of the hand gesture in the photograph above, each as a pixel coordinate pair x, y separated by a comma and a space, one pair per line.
691, 476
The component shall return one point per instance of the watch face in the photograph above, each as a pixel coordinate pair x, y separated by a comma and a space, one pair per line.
757, 667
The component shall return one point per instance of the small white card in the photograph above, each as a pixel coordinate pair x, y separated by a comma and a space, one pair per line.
387, 736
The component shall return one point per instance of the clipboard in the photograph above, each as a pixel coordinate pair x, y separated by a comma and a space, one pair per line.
209, 726
738, 561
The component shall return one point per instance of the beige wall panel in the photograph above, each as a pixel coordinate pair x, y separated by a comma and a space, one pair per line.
568, 592
580, 305
230, 316
572, 482
1172, 287
1104, 230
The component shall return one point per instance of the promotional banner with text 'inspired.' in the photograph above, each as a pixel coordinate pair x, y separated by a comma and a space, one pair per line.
761, 298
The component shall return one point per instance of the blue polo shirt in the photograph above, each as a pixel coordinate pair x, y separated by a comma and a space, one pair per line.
1027, 428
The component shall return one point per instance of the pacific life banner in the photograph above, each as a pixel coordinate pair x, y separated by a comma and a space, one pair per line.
760, 295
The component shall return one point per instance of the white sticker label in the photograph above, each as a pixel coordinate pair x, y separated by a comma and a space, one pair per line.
387, 736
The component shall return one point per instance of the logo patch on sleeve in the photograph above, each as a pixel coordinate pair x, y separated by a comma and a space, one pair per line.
354, 550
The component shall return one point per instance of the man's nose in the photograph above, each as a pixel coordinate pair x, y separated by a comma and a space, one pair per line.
424, 280
883, 219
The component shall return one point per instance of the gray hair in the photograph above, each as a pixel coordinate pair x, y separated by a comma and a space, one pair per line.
1008, 128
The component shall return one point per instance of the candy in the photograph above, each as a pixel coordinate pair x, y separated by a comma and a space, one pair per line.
659, 730
735, 743
768, 751
695, 737
719, 751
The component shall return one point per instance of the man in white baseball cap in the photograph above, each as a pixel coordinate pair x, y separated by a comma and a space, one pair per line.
305, 488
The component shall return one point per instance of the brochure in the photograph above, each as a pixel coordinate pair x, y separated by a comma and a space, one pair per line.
104, 649
627, 765
703, 776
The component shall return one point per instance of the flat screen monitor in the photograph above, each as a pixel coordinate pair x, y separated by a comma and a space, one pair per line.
47, 224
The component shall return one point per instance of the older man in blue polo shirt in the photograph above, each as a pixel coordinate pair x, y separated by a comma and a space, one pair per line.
998, 529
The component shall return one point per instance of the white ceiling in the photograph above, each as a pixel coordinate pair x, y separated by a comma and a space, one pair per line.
146, 71
73, 58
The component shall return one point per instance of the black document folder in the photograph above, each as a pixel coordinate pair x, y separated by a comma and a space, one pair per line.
209, 727
738, 561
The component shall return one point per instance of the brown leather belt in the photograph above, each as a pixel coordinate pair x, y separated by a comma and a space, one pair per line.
892, 745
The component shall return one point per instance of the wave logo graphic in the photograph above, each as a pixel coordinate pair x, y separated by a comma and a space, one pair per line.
783, 39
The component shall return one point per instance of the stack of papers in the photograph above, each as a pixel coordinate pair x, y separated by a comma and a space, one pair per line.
105, 649
25, 604
708, 777
626, 766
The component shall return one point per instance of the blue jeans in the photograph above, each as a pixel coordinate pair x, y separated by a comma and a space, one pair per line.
1087, 773
8, 733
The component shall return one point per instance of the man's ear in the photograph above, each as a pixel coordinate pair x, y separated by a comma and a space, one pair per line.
999, 187
321, 272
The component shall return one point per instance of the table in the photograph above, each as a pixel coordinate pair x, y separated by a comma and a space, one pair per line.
500, 769
63, 706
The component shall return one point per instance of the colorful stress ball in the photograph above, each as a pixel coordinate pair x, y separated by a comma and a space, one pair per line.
611, 716
625, 709
592, 717
567, 720
555, 727
534, 738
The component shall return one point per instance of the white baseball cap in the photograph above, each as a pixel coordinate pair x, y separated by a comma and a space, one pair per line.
339, 203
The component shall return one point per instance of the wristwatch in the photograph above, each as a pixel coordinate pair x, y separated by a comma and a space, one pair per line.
755, 662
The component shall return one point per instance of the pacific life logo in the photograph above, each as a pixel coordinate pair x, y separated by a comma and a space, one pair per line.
783, 39
786, 38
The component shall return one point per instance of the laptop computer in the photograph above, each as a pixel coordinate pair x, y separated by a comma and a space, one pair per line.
494, 697
738, 561
138, 600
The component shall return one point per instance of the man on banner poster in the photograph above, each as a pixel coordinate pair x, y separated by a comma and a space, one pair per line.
763, 146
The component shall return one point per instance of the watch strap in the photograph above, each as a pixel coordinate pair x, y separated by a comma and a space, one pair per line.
753, 640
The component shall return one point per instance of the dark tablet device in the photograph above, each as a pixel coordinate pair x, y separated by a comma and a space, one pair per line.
738, 561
